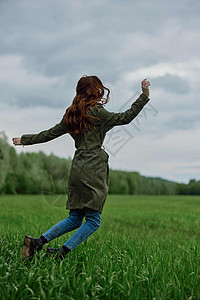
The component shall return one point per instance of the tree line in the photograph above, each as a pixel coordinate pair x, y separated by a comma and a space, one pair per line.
36, 173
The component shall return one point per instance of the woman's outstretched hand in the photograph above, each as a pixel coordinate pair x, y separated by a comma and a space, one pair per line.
17, 141
145, 87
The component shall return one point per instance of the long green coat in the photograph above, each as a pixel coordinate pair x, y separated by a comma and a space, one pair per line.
89, 173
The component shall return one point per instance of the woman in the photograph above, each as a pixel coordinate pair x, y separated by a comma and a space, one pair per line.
87, 121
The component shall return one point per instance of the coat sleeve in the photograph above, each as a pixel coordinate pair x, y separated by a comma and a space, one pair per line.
113, 119
45, 135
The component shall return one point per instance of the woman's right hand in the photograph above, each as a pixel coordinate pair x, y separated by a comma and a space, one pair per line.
17, 141
145, 87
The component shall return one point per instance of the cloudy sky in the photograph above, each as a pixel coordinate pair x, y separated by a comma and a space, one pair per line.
46, 46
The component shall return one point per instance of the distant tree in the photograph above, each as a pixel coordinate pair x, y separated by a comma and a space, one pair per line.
192, 181
4, 158
193, 187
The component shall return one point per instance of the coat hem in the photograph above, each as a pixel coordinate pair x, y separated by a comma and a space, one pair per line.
88, 206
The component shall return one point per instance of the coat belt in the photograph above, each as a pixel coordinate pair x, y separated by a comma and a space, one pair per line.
84, 149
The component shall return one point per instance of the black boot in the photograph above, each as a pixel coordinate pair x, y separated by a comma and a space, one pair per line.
59, 253
30, 245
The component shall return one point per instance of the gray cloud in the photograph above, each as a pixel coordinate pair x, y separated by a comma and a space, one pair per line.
172, 83
65, 41
182, 122
61, 38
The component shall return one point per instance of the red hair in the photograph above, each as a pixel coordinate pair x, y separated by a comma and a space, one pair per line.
89, 91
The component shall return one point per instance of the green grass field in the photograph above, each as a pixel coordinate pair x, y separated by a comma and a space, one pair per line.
146, 248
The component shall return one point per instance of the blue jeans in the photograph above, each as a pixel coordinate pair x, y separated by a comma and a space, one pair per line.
74, 221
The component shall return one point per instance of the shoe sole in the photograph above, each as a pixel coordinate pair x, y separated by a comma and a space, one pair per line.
49, 252
26, 251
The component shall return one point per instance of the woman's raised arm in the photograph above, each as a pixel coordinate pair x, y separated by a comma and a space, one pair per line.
112, 119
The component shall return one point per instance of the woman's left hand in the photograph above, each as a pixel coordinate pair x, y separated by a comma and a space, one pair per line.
17, 141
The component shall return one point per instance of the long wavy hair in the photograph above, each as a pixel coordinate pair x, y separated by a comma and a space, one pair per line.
89, 92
